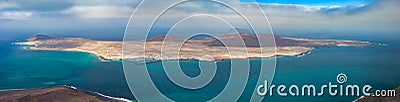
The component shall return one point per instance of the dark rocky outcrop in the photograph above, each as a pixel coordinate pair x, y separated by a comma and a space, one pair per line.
53, 94
40, 37
163, 37
250, 40
253, 40
381, 99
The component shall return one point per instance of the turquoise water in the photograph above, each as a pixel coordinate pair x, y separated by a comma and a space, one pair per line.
377, 66
21, 68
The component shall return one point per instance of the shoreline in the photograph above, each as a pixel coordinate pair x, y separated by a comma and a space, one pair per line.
201, 50
64, 90
104, 59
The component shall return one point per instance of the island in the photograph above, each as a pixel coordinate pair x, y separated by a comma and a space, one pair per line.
191, 49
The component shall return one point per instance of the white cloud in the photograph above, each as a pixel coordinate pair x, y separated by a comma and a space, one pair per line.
379, 14
303, 8
15, 15
7, 14
100, 11
4, 5
105, 2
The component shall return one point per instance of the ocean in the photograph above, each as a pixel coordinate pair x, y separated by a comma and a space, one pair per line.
376, 66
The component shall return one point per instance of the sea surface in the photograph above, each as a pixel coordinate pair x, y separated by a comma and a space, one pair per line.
376, 66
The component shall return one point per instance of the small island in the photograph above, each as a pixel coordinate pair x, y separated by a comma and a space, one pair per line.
192, 49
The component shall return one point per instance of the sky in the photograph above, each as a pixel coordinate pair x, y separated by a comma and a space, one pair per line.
316, 2
106, 19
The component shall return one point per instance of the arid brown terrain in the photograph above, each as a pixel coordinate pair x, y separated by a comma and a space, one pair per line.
173, 48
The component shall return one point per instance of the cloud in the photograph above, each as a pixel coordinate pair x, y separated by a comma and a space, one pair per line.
4, 5
15, 15
100, 11
106, 2
37, 5
382, 14
332, 10
76, 8
6, 12
376, 16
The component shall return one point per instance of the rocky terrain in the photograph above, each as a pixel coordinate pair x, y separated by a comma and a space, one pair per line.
161, 47
54, 94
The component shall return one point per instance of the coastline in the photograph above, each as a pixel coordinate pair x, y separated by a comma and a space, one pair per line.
50, 94
277, 56
105, 59
195, 50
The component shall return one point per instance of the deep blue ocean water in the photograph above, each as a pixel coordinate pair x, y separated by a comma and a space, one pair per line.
376, 66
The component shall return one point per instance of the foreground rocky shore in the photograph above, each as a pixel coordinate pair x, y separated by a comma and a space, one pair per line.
55, 94
194, 49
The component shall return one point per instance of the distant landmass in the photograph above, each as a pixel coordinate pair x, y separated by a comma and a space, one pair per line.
40, 37
192, 49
